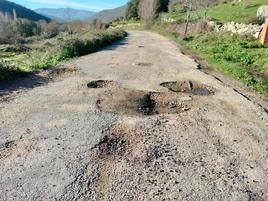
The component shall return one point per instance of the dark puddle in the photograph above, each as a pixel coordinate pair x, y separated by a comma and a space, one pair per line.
200, 92
188, 87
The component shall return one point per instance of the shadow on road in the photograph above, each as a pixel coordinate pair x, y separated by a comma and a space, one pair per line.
115, 45
22, 83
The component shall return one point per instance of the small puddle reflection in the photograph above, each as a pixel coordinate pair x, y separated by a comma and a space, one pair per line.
201, 92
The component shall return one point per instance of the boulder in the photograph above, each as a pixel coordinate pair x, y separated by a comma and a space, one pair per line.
241, 29
262, 12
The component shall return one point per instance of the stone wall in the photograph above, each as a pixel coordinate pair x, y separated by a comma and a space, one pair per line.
238, 28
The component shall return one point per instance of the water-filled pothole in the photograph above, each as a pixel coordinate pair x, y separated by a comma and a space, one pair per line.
100, 84
135, 102
188, 87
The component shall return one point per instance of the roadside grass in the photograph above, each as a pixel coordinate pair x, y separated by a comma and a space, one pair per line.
242, 12
243, 59
46, 54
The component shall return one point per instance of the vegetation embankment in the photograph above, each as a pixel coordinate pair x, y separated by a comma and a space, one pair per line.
241, 57
241, 11
32, 46
49, 53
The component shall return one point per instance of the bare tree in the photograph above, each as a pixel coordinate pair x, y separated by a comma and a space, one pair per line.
6, 28
189, 4
14, 14
148, 10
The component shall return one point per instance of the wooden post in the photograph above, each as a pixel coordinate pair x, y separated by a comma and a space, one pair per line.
264, 33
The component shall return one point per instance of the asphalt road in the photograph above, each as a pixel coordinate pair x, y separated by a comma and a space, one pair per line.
151, 126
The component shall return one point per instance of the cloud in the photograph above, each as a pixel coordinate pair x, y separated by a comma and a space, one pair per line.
73, 4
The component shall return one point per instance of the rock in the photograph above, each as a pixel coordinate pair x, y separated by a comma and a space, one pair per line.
186, 98
262, 12
238, 28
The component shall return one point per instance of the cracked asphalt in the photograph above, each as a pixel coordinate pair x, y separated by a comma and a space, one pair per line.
151, 126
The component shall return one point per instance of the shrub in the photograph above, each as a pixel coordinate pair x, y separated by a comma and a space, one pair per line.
132, 9
175, 7
8, 71
79, 47
25, 27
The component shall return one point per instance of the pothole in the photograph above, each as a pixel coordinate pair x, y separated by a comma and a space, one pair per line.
100, 84
143, 64
6, 148
135, 102
112, 64
188, 87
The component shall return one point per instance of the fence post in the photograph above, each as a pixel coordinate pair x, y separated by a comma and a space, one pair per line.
264, 33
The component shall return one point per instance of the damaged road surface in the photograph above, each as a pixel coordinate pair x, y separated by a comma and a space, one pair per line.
134, 124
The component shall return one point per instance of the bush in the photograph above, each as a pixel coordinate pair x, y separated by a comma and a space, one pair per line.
132, 9
80, 44
8, 71
25, 28
175, 7
79, 47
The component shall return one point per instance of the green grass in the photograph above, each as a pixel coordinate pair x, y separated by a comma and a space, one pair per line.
244, 60
238, 12
241, 58
40, 57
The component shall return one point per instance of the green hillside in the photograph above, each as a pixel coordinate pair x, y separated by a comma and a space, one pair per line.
242, 11
238, 12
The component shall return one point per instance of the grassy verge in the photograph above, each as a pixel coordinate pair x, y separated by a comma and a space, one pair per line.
242, 12
46, 54
241, 58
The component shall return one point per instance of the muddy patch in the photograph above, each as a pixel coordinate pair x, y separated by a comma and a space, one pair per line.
135, 102
189, 87
100, 84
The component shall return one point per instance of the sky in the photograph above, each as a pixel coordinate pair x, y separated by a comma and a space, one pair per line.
91, 5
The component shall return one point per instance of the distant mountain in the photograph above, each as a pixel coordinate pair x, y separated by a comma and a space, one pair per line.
21, 12
111, 14
65, 14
